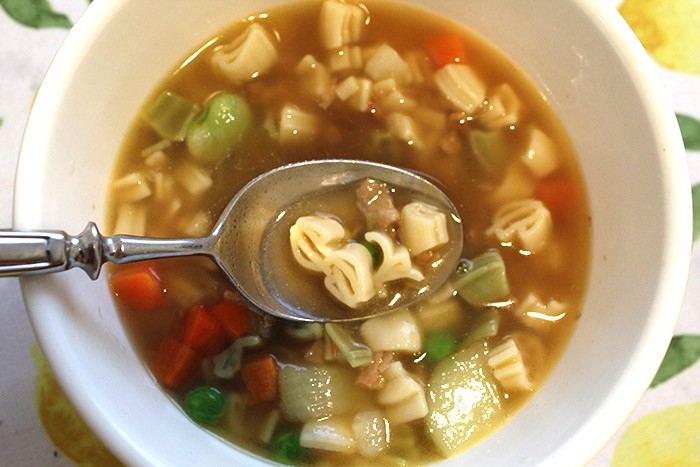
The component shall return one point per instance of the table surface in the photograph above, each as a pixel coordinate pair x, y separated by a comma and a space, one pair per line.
38, 426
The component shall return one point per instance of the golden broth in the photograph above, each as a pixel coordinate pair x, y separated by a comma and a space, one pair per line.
558, 272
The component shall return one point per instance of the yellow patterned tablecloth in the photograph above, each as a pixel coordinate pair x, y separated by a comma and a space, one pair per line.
38, 426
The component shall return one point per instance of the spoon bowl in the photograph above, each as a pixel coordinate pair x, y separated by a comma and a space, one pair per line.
237, 241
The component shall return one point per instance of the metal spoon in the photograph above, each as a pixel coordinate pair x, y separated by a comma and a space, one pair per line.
235, 243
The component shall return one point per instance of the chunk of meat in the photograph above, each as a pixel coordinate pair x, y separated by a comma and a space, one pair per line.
372, 375
377, 205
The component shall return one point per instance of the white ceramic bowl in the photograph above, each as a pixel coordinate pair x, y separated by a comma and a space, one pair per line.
587, 63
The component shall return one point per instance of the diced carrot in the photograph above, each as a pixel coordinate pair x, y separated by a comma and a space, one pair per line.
446, 48
558, 193
203, 331
235, 318
260, 379
138, 286
175, 364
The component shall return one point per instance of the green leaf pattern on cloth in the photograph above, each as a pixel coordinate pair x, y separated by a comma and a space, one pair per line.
690, 129
696, 211
682, 353
35, 14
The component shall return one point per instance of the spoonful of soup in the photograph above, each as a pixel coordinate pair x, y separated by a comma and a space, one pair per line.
322, 240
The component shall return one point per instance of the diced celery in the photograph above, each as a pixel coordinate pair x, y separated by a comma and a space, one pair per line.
304, 332
485, 326
464, 401
355, 353
314, 392
228, 362
171, 115
489, 149
486, 282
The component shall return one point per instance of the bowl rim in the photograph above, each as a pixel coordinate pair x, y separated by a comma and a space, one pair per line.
677, 246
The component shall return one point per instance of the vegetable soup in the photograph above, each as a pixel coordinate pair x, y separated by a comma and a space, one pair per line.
383, 82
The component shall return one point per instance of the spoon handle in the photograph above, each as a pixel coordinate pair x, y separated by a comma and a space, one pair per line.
43, 252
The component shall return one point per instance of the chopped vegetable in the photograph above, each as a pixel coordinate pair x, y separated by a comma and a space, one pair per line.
489, 149
486, 326
236, 319
558, 193
171, 115
396, 331
464, 401
439, 345
175, 364
205, 404
138, 286
446, 48
228, 362
260, 379
304, 332
330, 434
485, 283
202, 331
313, 392
268, 429
219, 128
371, 432
286, 447
374, 251
355, 353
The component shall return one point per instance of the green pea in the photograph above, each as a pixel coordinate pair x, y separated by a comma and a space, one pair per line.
286, 446
205, 404
219, 129
439, 346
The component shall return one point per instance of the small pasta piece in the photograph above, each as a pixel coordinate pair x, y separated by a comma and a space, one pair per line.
331, 434
384, 87
194, 179
502, 108
535, 314
404, 128
197, 225
541, 154
250, 55
350, 278
156, 160
527, 223
347, 88
356, 92
345, 58
419, 67
341, 23
461, 86
372, 434
403, 397
397, 332
396, 261
272, 421
517, 183
397, 390
409, 410
385, 63
133, 187
131, 219
360, 99
396, 101
296, 125
313, 238
422, 227
508, 367
316, 80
